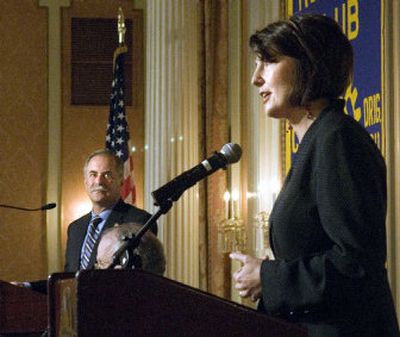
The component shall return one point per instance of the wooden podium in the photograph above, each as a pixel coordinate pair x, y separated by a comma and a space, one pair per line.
135, 303
23, 312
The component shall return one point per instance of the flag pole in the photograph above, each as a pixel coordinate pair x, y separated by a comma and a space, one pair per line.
122, 48
117, 134
121, 27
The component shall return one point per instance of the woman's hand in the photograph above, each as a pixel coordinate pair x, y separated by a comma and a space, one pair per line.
247, 278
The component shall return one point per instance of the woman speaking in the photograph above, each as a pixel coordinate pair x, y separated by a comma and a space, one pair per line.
327, 227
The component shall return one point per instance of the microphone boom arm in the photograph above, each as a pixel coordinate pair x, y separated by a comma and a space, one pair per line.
132, 243
172, 191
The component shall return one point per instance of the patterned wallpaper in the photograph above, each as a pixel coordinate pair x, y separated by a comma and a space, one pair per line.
23, 138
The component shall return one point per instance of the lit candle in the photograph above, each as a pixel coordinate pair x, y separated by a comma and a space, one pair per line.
235, 203
227, 197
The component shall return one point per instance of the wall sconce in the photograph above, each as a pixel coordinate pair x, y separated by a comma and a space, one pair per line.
231, 230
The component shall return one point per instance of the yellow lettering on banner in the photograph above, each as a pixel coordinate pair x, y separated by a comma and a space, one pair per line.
376, 136
305, 3
352, 94
289, 7
372, 110
294, 146
348, 18
352, 19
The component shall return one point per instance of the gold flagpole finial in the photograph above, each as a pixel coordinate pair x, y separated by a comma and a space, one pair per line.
121, 27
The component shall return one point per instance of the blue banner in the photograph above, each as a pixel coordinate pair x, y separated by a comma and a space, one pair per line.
362, 22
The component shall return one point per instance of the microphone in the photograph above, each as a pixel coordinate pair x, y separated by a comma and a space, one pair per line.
41, 208
171, 191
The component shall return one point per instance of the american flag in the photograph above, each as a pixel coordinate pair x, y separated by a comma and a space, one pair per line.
117, 135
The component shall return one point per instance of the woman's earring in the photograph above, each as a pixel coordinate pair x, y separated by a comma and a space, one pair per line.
309, 114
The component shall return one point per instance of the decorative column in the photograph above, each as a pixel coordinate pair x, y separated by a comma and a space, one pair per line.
172, 127
54, 131
264, 139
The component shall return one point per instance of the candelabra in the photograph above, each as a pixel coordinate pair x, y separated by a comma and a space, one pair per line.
231, 230
261, 234
232, 235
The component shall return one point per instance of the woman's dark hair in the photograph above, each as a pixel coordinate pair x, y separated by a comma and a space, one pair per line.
323, 55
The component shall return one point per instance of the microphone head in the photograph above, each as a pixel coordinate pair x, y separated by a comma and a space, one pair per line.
232, 152
48, 206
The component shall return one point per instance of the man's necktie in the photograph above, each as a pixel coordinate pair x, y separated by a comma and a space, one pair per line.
93, 235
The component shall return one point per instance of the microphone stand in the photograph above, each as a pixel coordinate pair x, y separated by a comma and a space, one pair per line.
172, 191
128, 247
41, 208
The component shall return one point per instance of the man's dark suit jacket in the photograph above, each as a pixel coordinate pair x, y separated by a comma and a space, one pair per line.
121, 213
327, 232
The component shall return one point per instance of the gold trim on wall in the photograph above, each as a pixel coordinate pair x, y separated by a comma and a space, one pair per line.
54, 131
392, 106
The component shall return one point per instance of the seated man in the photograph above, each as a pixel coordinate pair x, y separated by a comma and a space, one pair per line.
150, 249
103, 179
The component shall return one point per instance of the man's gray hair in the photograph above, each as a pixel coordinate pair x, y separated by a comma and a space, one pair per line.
105, 152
